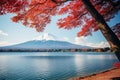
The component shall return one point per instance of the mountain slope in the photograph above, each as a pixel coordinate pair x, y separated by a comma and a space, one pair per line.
45, 44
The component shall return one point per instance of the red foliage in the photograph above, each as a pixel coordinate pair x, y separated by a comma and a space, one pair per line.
116, 64
12, 6
77, 13
116, 29
37, 13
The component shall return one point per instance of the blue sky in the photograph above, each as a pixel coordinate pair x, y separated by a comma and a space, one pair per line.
14, 33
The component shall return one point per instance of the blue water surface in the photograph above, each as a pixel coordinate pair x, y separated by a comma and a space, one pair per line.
52, 65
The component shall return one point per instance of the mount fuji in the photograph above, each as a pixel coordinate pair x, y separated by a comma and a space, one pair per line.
45, 44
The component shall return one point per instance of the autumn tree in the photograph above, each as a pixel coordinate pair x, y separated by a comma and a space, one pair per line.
91, 15
116, 29
12, 6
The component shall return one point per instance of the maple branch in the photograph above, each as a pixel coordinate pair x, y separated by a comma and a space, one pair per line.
44, 11
1, 3
35, 5
80, 16
39, 3
62, 1
115, 8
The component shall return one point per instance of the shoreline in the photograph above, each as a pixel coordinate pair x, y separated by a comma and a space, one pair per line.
110, 74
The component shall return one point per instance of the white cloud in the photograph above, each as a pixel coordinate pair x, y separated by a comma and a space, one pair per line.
104, 44
85, 41
80, 40
99, 45
3, 33
4, 43
66, 39
45, 36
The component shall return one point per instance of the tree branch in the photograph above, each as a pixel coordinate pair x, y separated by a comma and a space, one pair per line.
61, 1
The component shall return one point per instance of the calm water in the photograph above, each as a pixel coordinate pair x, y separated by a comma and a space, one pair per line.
52, 65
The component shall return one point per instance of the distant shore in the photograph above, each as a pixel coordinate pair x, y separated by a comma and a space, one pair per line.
107, 49
111, 74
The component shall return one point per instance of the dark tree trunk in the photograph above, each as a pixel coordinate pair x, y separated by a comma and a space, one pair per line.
104, 28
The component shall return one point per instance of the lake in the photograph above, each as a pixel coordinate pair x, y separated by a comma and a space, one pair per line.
52, 65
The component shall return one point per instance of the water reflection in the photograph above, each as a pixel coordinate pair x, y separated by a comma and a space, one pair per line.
41, 67
101, 57
3, 66
3, 59
79, 61
91, 63
51, 66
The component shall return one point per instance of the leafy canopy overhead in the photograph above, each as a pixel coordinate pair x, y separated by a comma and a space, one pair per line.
37, 13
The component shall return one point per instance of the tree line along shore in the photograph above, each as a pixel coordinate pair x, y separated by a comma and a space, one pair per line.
107, 49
